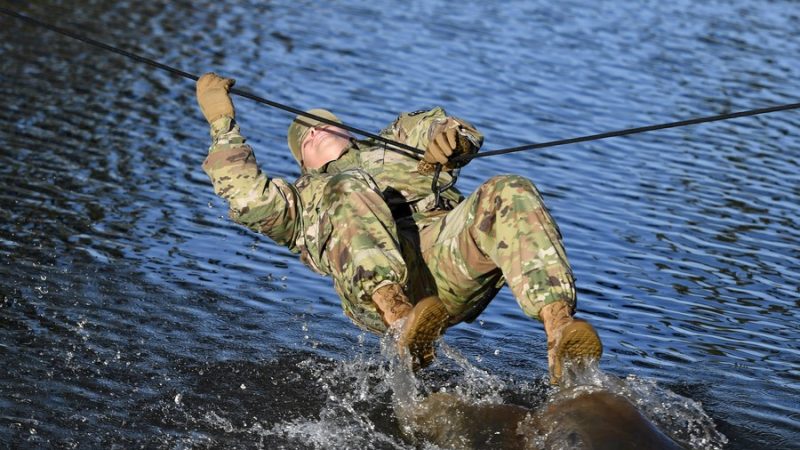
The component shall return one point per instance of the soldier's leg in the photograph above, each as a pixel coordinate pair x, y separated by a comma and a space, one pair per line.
365, 262
503, 227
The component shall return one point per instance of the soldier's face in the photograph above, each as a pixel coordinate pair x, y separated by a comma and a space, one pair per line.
323, 144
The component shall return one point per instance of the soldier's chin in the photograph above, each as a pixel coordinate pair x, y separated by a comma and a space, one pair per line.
332, 146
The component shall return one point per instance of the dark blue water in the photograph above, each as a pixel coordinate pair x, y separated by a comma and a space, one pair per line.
134, 313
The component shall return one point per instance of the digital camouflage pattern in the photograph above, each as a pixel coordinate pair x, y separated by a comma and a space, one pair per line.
369, 219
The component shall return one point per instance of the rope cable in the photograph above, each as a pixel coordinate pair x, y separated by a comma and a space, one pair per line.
398, 145
193, 77
629, 131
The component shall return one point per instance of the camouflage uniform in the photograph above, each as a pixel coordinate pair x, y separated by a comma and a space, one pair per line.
369, 219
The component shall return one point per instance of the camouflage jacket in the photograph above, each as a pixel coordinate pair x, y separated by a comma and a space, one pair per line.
289, 212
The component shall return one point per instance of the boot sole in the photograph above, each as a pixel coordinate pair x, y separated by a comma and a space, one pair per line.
579, 343
426, 324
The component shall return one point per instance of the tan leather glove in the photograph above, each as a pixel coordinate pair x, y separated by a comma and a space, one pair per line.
213, 97
441, 146
445, 143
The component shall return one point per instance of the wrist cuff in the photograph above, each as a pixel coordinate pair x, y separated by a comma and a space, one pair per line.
221, 125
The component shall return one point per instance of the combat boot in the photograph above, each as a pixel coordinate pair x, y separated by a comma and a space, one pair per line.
567, 339
392, 302
423, 326
424, 322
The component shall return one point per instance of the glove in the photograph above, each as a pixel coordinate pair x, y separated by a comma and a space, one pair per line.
213, 97
446, 142
441, 146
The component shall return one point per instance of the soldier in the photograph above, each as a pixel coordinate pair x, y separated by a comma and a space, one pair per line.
366, 216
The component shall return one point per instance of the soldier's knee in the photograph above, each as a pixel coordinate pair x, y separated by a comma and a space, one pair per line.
514, 184
501, 189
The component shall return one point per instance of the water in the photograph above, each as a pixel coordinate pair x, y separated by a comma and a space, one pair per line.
134, 313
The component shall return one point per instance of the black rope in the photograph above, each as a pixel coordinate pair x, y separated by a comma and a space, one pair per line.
398, 145
629, 131
181, 73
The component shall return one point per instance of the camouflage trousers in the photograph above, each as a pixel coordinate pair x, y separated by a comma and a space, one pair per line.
501, 233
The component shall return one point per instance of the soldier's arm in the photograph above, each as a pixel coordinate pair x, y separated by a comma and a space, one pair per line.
419, 128
267, 205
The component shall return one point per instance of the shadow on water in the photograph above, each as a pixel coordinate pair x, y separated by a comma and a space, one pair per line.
591, 409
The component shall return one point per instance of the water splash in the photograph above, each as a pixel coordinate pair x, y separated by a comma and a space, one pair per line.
683, 418
376, 401
358, 393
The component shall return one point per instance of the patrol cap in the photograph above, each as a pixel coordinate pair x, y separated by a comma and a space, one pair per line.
299, 129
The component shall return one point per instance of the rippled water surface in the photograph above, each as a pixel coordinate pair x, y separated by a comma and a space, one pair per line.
134, 313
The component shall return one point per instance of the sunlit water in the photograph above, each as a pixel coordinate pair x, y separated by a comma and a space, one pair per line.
134, 313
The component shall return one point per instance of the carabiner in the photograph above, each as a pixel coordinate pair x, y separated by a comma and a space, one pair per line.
439, 190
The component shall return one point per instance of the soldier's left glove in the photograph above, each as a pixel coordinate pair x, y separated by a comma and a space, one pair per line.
213, 97
447, 141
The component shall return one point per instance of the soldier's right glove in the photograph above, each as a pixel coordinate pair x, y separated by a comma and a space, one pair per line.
447, 141
441, 146
213, 96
